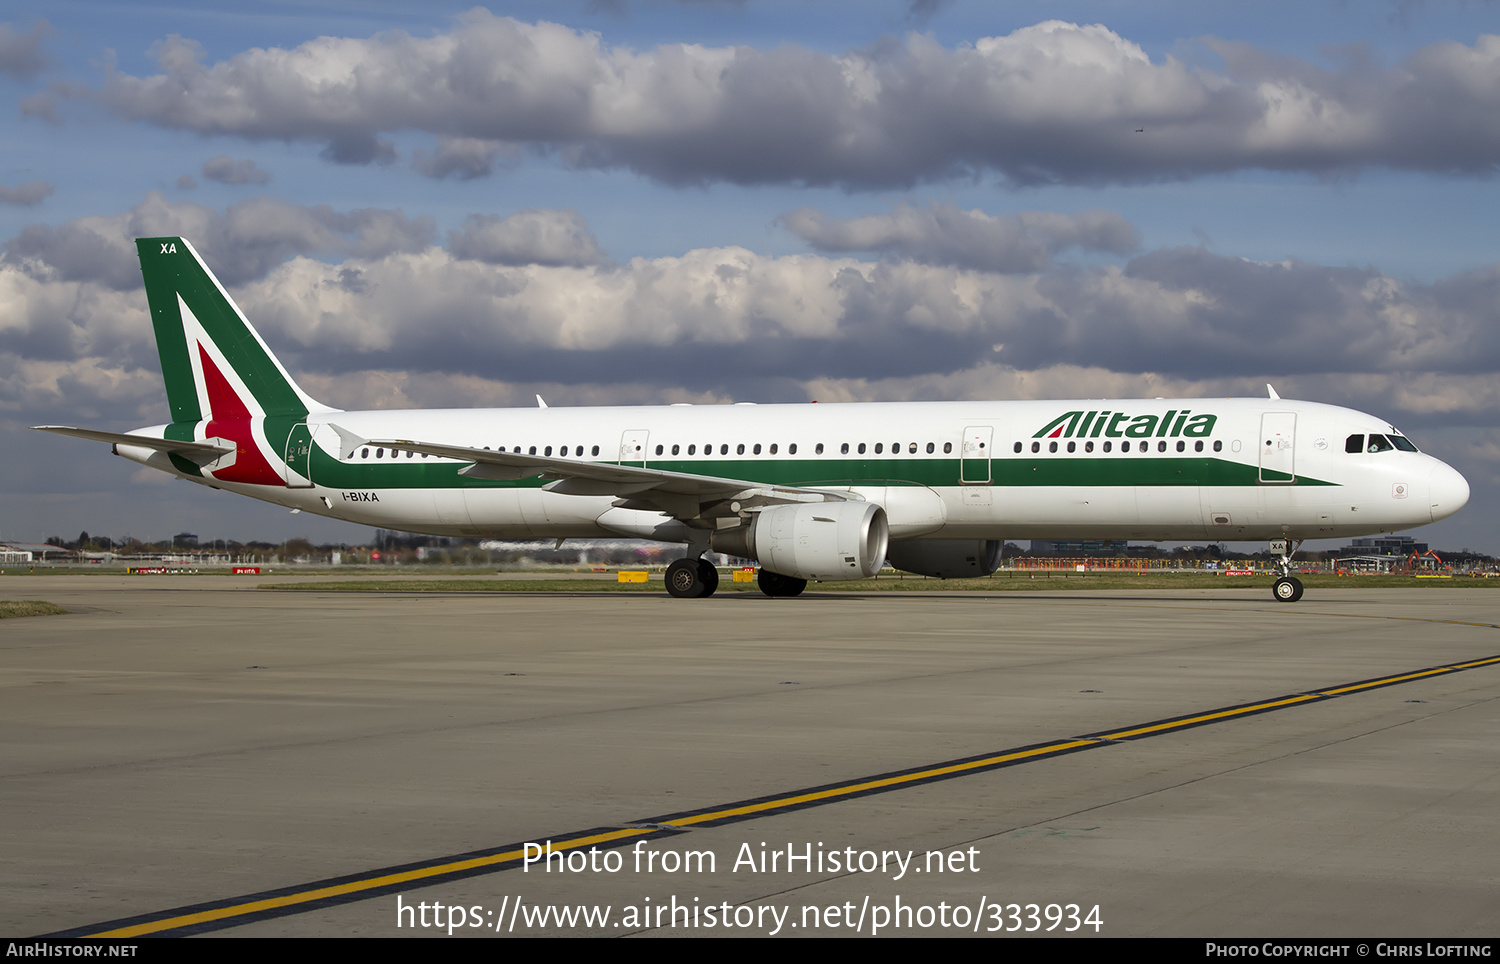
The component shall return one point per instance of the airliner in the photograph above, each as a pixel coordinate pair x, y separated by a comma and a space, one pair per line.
822, 492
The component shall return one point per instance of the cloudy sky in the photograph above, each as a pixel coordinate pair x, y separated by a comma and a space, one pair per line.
647, 201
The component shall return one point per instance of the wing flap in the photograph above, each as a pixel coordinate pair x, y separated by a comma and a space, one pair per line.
679, 494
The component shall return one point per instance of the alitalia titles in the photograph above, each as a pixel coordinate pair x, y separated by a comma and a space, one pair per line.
1107, 424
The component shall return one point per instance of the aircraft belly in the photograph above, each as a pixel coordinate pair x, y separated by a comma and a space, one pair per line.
494, 509
1075, 506
546, 514
911, 510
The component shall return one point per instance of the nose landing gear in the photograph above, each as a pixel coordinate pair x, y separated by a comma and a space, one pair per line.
1288, 588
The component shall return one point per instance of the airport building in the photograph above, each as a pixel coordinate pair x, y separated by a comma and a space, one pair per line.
1378, 553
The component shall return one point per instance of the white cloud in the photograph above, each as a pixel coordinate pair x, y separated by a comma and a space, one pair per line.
227, 170
30, 193
1054, 102
21, 54
943, 234
527, 237
728, 322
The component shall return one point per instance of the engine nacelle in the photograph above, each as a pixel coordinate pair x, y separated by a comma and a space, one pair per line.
947, 558
827, 541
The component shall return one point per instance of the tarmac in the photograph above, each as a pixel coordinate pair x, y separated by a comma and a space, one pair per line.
187, 754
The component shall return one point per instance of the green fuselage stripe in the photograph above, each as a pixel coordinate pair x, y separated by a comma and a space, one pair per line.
1123, 470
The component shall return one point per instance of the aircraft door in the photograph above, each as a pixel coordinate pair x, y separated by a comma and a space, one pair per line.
974, 461
633, 446
1278, 431
298, 469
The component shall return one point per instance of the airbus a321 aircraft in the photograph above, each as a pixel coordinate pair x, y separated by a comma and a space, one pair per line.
820, 492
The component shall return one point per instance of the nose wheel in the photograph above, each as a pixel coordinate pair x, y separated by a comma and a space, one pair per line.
1287, 589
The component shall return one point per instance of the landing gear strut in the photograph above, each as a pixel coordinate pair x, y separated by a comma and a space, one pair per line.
775, 584
692, 578
1288, 588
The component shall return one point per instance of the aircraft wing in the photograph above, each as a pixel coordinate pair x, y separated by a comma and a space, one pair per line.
200, 453
680, 494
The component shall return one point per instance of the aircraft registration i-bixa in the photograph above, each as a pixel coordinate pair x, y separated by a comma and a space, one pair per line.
809, 491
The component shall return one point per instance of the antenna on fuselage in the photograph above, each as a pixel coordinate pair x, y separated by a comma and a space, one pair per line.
1270, 393
540, 403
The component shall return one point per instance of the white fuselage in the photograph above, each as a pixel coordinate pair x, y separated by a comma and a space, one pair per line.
1187, 469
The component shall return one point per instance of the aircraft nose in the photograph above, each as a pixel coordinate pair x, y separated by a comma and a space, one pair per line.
1448, 490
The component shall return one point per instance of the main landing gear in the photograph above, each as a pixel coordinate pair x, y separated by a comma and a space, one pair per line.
692, 578
774, 584
696, 578
1288, 588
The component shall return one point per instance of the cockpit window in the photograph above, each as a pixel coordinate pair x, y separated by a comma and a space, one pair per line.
1403, 443
1379, 443
1354, 444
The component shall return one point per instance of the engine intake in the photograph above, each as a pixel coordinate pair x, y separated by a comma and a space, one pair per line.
828, 541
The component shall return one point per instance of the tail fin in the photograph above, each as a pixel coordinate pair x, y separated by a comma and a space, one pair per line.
214, 363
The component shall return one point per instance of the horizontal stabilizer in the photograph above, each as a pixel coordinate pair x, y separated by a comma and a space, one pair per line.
198, 452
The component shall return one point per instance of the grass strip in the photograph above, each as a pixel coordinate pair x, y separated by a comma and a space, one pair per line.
29, 607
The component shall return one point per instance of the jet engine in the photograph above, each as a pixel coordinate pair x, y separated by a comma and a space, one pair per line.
947, 558
827, 541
